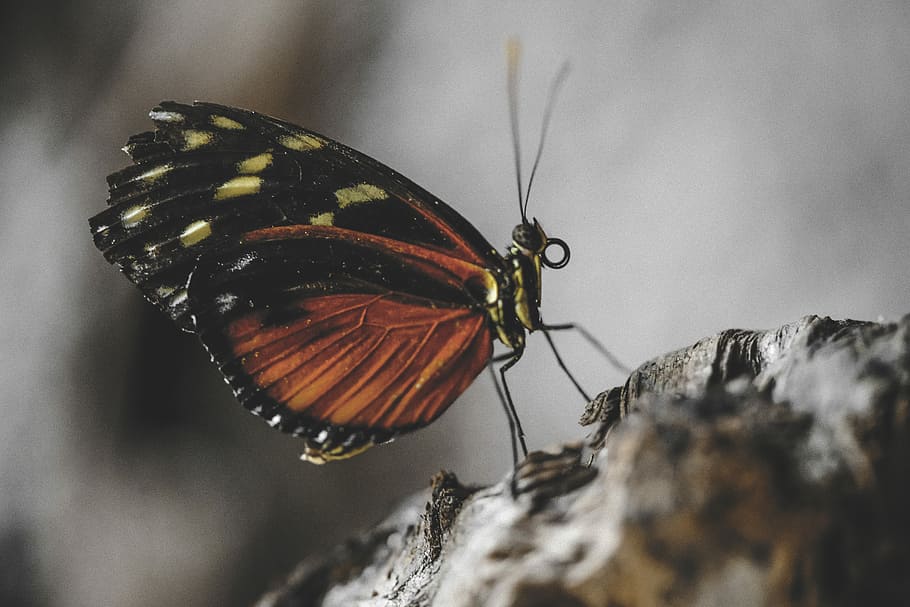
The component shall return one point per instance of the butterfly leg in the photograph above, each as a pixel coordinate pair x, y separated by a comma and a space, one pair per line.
516, 356
502, 399
565, 369
617, 364
505, 397
517, 430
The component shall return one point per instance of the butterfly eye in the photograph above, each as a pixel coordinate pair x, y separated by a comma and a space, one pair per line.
528, 237
562, 260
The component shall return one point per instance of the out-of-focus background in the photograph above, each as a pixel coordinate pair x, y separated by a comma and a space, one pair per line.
713, 165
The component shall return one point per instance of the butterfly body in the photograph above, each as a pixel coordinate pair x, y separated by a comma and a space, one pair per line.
342, 303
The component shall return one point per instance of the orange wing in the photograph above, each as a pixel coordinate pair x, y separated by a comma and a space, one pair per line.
350, 370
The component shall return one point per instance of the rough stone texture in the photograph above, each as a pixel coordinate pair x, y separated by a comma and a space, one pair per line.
753, 468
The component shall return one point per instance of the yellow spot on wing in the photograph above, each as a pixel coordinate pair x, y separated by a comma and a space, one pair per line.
301, 142
323, 219
223, 122
178, 298
195, 232
362, 192
193, 140
132, 216
254, 164
238, 186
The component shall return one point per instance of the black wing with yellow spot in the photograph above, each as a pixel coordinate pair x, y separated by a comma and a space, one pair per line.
209, 173
341, 301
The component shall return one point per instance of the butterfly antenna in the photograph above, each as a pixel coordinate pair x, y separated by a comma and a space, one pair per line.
548, 111
513, 54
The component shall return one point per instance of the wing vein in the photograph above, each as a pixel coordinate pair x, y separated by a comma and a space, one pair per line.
316, 354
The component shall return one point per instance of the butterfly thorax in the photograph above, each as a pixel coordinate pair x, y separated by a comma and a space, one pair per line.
517, 309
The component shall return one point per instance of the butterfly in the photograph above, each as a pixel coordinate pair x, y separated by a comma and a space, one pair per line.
343, 303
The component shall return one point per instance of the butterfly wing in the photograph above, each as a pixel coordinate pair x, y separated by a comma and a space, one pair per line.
211, 172
338, 337
342, 302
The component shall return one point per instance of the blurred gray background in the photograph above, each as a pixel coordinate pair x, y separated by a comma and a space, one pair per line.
713, 165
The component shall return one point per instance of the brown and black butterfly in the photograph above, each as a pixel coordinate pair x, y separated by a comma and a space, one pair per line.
342, 303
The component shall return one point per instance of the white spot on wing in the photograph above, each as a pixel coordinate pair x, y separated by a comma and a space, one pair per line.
164, 290
243, 261
226, 302
179, 298
155, 173
134, 215
165, 116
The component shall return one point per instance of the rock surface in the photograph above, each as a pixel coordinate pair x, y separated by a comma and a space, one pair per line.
752, 468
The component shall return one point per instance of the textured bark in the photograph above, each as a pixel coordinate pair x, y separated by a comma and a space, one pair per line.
752, 468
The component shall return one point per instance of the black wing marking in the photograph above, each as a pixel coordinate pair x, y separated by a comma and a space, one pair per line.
210, 173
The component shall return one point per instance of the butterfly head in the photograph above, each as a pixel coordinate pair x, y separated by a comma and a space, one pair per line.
531, 241
527, 253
